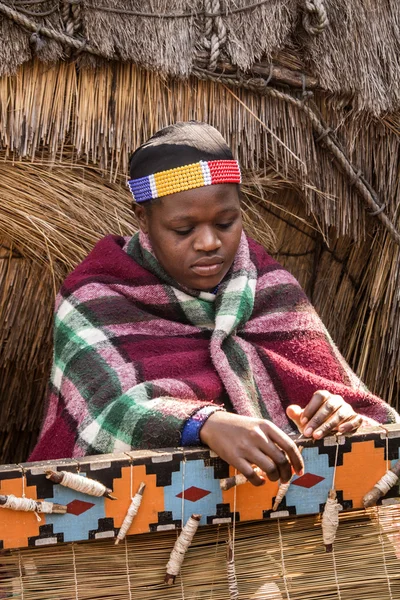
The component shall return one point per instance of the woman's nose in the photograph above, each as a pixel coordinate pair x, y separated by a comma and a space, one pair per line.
207, 240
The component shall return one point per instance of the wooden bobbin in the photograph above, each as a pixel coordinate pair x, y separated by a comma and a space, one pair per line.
330, 520
30, 505
131, 514
77, 482
382, 486
229, 482
180, 548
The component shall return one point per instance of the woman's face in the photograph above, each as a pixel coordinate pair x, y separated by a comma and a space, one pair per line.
195, 234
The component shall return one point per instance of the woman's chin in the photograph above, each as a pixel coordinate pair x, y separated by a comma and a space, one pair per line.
203, 284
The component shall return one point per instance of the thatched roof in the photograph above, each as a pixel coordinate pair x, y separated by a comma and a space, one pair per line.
313, 116
351, 48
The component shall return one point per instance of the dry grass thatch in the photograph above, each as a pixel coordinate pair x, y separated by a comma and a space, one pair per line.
274, 560
49, 220
106, 113
356, 52
66, 135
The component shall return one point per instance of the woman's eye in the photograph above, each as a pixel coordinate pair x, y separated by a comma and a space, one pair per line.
225, 225
183, 231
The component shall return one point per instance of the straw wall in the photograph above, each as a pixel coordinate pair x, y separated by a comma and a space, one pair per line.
352, 48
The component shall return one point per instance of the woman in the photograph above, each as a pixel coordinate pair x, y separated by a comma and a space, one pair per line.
190, 333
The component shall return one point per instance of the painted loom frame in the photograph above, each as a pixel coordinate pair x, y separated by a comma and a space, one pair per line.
185, 481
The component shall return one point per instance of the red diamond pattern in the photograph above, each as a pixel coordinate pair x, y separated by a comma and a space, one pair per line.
308, 480
194, 493
77, 507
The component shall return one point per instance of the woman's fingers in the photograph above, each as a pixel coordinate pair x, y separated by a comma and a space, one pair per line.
295, 412
318, 399
351, 425
273, 462
244, 467
343, 414
284, 443
274, 453
245, 441
331, 404
266, 464
324, 414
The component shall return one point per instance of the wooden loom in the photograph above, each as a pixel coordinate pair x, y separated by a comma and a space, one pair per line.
276, 555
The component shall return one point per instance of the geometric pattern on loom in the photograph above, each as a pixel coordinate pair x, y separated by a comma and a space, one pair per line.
163, 466
395, 458
75, 525
105, 529
223, 515
46, 537
308, 480
104, 471
394, 455
355, 482
165, 522
309, 491
17, 527
193, 494
386, 439
43, 485
204, 491
221, 468
335, 444
251, 501
78, 507
394, 492
152, 501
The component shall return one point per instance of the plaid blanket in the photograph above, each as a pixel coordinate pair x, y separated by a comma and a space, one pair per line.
135, 356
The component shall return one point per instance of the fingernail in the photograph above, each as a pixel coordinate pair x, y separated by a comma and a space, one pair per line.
318, 433
308, 431
303, 420
301, 473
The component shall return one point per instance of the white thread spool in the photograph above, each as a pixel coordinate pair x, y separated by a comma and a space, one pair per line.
381, 487
180, 548
282, 491
30, 505
229, 482
131, 514
330, 520
79, 483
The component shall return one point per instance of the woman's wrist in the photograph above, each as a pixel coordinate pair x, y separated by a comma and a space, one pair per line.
191, 432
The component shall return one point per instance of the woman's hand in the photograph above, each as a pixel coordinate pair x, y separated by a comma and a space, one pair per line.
244, 441
324, 414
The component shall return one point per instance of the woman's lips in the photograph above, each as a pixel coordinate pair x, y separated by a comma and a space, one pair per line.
208, 270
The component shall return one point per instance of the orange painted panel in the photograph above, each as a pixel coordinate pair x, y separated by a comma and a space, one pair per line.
354, 481
250, 500
152, 502
16, 527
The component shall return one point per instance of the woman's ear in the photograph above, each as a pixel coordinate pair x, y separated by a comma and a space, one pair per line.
142, 216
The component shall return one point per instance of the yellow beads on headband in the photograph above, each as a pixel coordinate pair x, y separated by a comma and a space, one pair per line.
185, 178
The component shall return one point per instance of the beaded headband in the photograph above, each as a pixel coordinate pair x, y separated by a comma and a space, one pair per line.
184, 178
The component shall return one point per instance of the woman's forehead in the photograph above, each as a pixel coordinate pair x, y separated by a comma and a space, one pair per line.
212, 200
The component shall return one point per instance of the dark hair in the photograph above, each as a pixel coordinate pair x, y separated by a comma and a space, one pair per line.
178, 145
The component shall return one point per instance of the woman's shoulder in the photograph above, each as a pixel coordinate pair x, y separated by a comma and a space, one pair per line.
106, 263
272, 277
263, 261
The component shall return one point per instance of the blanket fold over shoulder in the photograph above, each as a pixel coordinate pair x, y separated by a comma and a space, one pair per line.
135, 356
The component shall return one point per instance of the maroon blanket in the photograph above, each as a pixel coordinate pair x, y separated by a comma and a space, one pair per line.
136, 356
